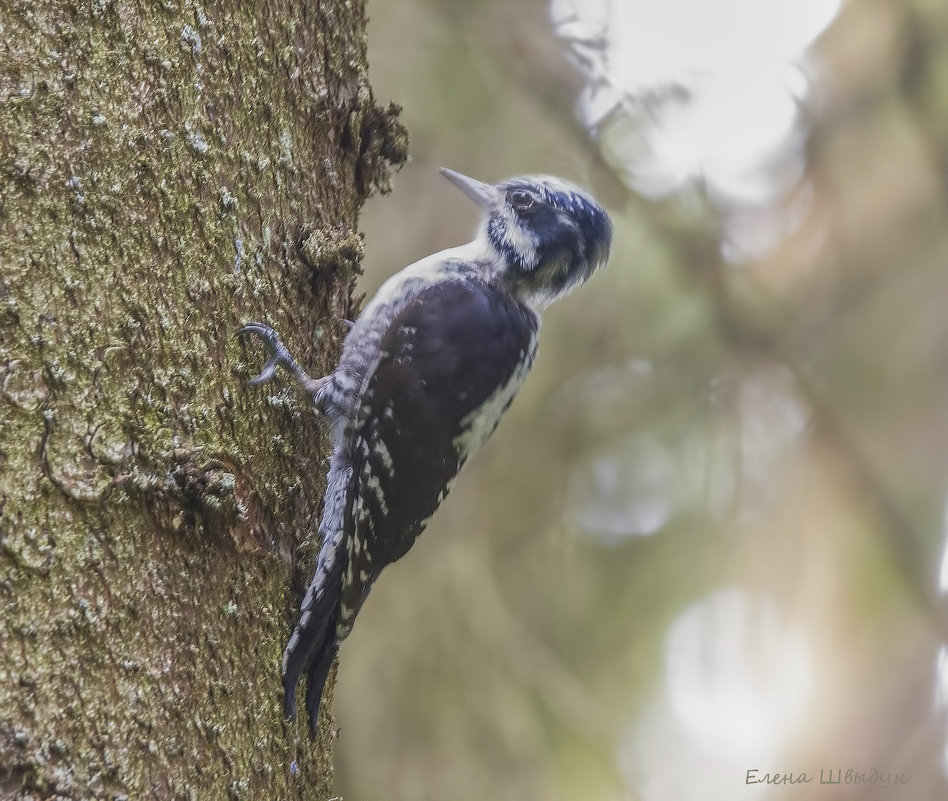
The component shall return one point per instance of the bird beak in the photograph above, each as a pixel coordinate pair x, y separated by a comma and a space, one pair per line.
484, 195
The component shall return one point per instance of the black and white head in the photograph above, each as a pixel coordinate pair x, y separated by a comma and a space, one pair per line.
549, 235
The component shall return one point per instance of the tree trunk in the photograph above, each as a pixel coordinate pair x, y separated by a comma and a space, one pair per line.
167, 172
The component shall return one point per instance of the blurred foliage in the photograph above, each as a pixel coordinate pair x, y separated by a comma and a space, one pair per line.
778, 427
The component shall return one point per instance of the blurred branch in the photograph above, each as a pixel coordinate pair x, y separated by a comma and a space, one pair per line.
698, 252
699, 256
526, 658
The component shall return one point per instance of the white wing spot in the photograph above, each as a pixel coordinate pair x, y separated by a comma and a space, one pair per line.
385, 457
373, 484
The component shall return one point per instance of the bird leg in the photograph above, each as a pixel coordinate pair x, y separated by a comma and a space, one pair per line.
280, 356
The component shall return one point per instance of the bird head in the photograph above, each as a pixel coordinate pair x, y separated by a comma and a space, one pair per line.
549, 235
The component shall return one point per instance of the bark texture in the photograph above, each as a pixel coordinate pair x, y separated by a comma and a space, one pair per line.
168, 171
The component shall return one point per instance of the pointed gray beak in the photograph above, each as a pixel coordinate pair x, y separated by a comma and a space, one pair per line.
484, 195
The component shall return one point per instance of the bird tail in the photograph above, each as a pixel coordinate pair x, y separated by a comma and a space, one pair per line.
316, 680
313, 645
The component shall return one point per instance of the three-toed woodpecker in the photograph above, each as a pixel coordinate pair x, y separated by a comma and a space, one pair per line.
426, 372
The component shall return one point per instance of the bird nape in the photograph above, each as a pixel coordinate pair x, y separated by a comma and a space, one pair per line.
426, 372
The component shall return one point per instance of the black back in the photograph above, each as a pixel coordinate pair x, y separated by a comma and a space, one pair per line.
443, 356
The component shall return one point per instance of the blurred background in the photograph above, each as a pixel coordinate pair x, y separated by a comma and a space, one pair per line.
708, 537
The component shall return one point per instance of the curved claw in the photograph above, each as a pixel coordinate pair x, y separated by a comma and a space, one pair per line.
265, 374
278, 352
267, 334
279, 355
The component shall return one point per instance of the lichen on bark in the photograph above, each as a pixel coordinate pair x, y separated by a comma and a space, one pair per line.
162, 166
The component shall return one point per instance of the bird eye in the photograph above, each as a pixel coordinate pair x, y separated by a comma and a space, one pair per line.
521, 201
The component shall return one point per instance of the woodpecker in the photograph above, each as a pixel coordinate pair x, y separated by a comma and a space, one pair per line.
426, 372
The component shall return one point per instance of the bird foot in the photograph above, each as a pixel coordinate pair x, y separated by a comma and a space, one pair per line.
280, 357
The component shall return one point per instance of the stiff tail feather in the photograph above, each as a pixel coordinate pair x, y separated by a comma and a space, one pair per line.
313, 644
316, 680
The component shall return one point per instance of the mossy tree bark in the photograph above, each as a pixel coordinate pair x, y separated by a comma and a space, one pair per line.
167, 172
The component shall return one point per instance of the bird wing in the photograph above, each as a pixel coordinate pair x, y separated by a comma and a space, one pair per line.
452, 360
